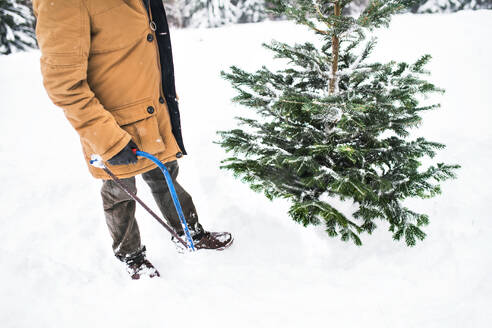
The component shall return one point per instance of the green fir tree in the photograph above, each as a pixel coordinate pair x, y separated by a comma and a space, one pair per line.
334, 126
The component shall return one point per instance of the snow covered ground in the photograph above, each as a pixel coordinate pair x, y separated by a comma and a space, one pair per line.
56, 263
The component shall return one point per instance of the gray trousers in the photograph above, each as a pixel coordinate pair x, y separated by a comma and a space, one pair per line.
119, 208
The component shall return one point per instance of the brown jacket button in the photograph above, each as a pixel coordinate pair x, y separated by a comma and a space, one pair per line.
179, 154
150, 110
161, 100
150, 37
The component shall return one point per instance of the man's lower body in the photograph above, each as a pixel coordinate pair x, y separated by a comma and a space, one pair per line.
119, 210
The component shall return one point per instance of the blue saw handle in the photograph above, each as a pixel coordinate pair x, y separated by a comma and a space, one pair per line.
170, 184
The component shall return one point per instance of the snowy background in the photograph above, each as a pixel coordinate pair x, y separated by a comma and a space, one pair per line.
57, 266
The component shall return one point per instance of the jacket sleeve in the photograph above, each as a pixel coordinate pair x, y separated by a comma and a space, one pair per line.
64, 36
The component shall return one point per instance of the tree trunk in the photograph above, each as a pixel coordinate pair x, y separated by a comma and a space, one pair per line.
335, 52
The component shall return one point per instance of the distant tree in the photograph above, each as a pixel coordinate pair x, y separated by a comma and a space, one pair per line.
16, 26
435, 6
214, 13
428, 6
355, 7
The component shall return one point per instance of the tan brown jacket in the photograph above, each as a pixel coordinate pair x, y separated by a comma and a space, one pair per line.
100, 63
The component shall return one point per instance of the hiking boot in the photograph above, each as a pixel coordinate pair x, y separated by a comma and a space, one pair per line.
207, 240
138, 266
213, 240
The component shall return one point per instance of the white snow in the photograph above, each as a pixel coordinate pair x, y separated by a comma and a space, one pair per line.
57, 267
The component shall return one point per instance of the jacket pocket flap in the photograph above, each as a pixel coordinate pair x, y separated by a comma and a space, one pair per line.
133, 113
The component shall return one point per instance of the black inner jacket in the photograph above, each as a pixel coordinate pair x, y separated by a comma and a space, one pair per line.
167, 66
